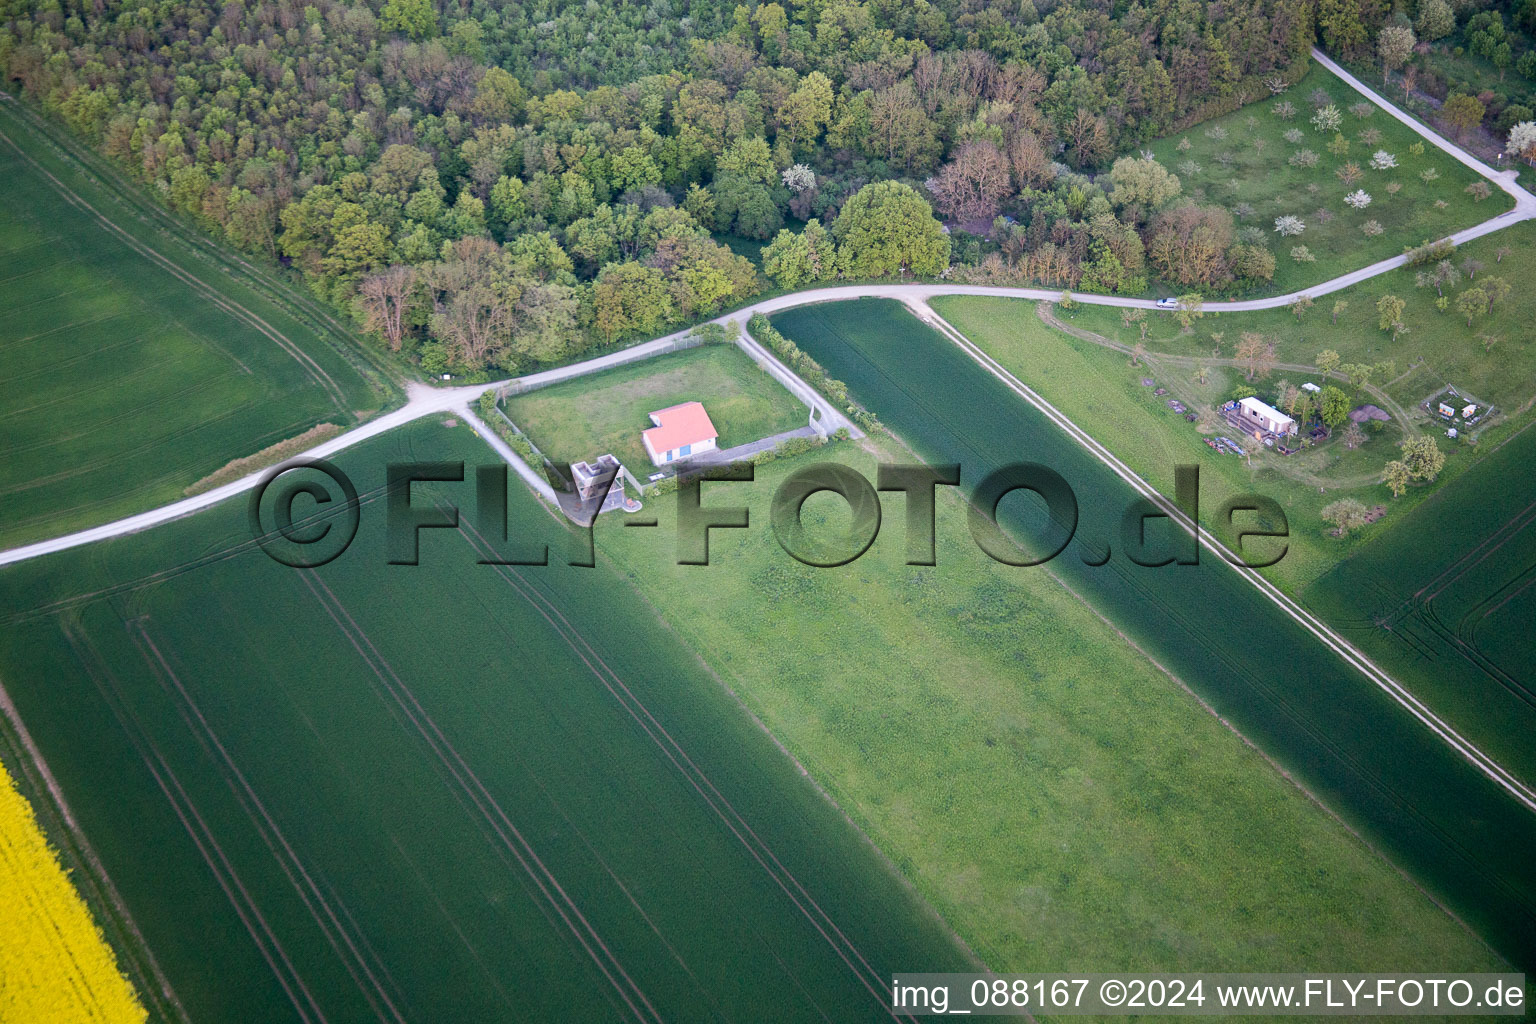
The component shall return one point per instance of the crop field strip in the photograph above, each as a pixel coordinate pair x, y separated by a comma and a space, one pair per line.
58, 967
700, 781
473, 794
204, 292
1340, 735
127, 375
238, 278
197, 742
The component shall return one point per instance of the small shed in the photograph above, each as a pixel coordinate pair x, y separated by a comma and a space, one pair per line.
1468, 411
679, 431
1446, 410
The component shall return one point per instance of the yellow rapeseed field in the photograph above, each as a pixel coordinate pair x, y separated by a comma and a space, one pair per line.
54, 963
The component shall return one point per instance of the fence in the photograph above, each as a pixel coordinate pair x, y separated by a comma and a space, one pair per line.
624, 357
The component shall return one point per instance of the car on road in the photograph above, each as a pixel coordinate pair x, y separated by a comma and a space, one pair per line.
1168, 303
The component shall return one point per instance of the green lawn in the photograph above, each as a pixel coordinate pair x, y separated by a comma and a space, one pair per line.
1335, 732
1244, 158
131, 363
470, 792
605, 412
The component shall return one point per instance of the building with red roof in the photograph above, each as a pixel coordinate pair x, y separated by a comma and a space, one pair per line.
680, 431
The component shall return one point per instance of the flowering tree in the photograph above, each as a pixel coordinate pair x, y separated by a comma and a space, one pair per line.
1522, 140
798, 178
1288, 226
1383, 161
1327, 119
1359, 199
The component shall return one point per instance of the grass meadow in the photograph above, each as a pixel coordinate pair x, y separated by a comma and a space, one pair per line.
448, 790
131, 366
1246, 158
1339, 736
1063, 801
605, 412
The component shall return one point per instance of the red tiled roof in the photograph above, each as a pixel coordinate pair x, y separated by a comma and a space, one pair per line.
679, 425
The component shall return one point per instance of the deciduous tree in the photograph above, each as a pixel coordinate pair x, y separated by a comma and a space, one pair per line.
1334, 406
1389, 310
1347, 515
886, 228
1423, 457
972, 183
1472, 302
1463, 113
384, 297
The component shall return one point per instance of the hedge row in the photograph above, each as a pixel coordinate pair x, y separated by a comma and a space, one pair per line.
809, 370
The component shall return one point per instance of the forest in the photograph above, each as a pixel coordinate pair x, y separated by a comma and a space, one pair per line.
500, 186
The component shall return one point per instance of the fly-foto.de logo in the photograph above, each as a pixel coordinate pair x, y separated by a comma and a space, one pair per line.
307, 512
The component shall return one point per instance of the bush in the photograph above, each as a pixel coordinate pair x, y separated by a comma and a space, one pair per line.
1430, 252
519, 443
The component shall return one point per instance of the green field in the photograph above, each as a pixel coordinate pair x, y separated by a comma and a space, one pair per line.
449, 790
134, 364
1244, 157
1340, 736
1444, 600
605, 412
